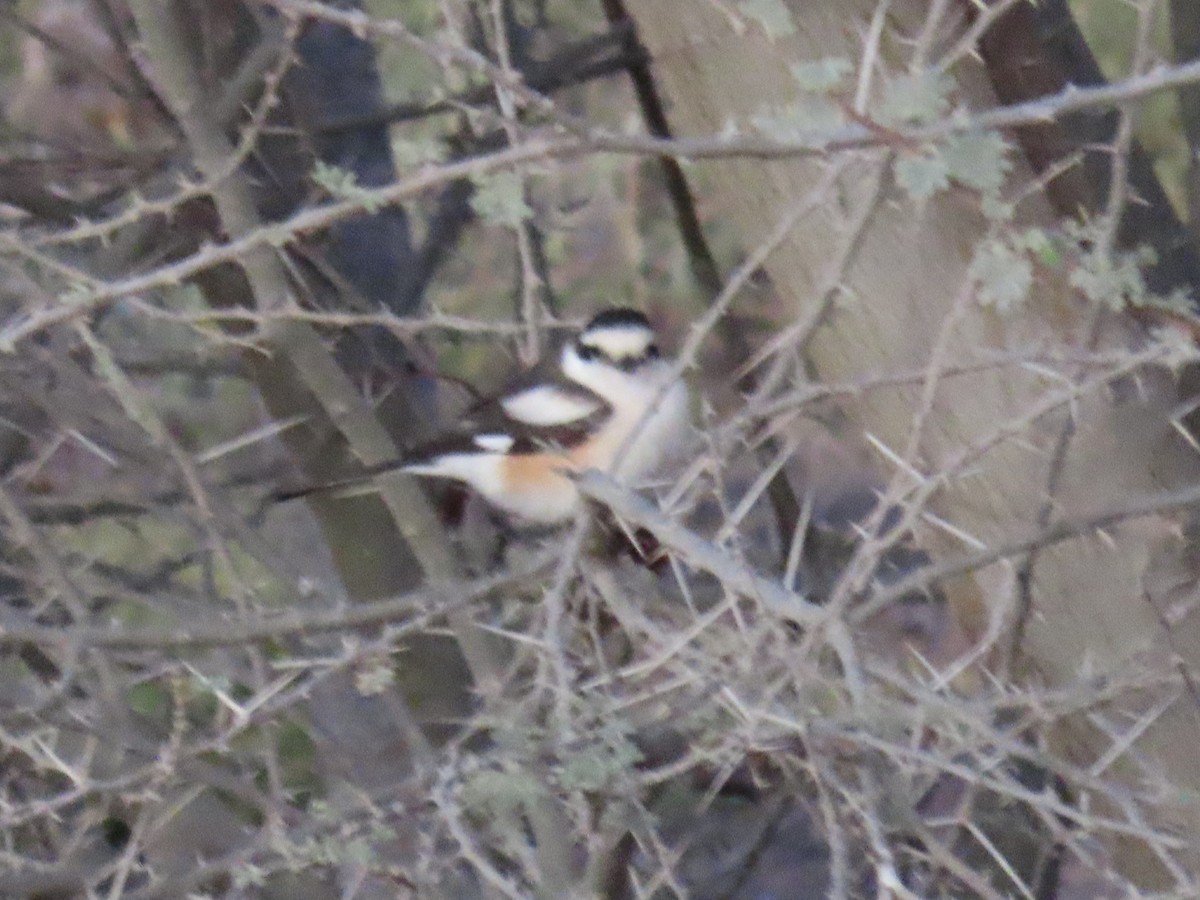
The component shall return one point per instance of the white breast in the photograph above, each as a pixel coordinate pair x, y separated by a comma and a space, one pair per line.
648, 426
660, 437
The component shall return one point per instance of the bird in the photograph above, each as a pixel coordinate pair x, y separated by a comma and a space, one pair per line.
610, 401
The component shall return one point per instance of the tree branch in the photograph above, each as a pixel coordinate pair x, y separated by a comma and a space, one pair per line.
698, 553
168, 51
407, 614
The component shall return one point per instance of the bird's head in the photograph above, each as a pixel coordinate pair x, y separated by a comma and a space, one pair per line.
620, 338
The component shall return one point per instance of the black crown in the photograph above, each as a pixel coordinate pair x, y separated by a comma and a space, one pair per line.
618, 317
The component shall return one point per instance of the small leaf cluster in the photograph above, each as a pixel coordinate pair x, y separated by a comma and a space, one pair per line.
916, 99
499, 199
343, 185
1002, 268
608, 755
975, 159
814, 110
1111, 278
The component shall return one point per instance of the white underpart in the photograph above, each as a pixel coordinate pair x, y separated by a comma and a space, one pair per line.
545, 404
480, 470
649, 423
496, 443
551, 502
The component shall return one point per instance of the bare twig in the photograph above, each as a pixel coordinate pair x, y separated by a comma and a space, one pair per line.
403, 615
698, 553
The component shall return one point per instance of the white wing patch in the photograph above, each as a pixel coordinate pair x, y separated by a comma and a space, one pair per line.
494, 443
546, 405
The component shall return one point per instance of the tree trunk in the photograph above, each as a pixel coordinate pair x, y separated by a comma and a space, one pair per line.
904, 303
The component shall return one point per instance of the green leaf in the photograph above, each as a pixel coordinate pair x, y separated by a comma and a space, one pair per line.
1042, 246
500, 199
499, 793
772, 15
599, 764
1003, 274
149, 699
820, 76
343, 185
1111, 281
922, 176
414, 153
978, 160
922, 97
337, 181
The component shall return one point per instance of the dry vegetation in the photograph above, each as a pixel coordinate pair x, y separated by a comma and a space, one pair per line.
924, 618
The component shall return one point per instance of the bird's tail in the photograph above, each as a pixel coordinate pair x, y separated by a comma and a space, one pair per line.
351, 486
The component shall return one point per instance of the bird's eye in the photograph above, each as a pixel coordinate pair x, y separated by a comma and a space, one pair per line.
652, 352
586, 352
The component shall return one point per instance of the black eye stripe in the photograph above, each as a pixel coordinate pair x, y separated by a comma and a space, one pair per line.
586, 352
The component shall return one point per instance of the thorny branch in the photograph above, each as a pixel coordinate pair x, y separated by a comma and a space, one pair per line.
713, 681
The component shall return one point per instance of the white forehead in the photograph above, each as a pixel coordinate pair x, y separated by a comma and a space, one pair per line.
619, 341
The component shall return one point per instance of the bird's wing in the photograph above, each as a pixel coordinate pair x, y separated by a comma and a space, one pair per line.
532, 417
550, 405
526, 420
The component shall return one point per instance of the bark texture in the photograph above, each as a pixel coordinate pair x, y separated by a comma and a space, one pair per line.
903, 299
